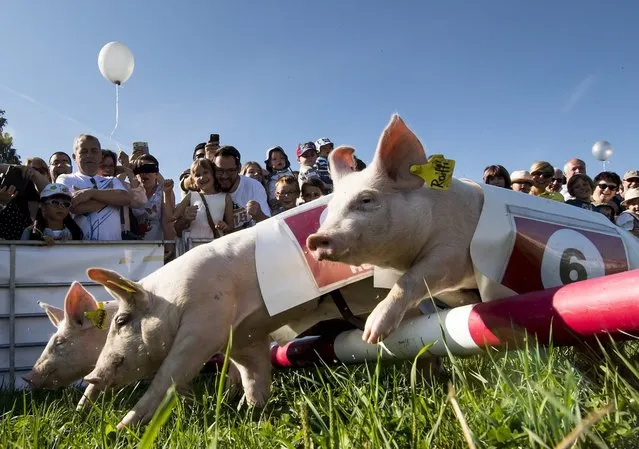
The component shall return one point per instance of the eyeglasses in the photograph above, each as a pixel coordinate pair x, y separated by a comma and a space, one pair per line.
604, 186
58, 203
632, 180
537, 174
226, 171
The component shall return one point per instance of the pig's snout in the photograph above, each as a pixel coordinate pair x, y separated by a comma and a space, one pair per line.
322, 246
28, 378
98, 380
316, 241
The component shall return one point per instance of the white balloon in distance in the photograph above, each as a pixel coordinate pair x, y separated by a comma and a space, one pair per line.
116, 62
602, 150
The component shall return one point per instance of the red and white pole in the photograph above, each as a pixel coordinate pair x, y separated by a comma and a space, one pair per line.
576, 312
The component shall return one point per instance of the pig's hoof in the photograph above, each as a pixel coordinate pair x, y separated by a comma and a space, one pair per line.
129, 420
383, 320
256, 399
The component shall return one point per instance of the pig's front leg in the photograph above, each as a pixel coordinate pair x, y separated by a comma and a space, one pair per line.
190, 350
254, 364
88, 396
439, 272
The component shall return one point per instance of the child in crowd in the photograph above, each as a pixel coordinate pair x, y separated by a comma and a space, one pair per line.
629, 219
205, 211
312, 189
306, 156
580, 188
253, 170
287, 191
324, 147
278, 166
53, 221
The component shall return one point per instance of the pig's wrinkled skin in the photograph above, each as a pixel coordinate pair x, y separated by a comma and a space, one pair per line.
175, 319
75, 346
385, 216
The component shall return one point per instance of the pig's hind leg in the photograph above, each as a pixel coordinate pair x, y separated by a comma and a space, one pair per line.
253, 360
191, 348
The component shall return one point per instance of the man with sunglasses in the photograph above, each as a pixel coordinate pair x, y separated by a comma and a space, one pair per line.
96, 199
557, 181
630, 180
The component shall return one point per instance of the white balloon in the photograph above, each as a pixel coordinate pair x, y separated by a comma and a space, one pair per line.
602, 150
116, 62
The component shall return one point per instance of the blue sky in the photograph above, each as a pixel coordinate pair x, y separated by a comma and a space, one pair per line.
487, 82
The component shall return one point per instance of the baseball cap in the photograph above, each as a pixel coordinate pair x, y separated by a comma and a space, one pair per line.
308, 146
55, 190
323, 141
631, 174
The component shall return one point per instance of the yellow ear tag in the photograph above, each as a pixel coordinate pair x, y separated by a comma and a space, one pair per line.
437, 172
97, 317
123, 285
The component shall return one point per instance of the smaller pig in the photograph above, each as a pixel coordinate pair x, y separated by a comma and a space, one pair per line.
81, 330
386, 216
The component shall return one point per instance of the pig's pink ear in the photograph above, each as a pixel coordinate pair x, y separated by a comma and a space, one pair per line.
118, 286
397, 150
78, 301
54, 313
341, 162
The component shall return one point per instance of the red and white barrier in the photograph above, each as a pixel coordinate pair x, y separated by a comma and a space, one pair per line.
579, 311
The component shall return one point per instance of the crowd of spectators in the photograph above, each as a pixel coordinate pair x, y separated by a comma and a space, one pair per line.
117, 197
607, 193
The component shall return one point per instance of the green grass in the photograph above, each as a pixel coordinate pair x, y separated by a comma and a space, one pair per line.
531, 398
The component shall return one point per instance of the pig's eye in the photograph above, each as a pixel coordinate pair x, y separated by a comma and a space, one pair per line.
59, 341
366, 200
122, 319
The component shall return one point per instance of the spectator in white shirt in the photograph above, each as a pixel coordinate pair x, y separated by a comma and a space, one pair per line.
96, 199
249, 197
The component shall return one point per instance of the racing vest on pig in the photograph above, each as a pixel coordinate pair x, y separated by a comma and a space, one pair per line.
522, 243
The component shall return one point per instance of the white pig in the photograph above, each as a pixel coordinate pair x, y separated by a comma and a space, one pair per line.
173, 320
75, 346
385, 216
73, 349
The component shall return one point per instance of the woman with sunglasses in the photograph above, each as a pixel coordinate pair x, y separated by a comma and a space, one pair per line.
53, 220
541, 173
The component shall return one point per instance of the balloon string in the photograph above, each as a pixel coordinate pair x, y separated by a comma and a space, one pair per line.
117, 114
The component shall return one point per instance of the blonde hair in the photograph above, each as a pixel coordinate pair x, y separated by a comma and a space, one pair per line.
205, 164
543, 167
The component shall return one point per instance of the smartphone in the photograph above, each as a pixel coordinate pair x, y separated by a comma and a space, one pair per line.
141, 147
214, 138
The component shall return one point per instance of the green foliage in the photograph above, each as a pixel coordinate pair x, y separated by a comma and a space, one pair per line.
8, 154
532, 398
